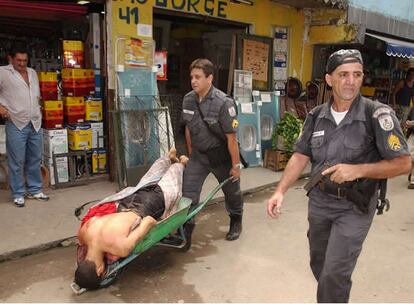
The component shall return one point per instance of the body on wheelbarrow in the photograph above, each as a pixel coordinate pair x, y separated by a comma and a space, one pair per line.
162, 229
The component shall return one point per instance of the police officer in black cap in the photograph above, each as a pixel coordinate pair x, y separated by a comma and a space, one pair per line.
210, 118
352, 143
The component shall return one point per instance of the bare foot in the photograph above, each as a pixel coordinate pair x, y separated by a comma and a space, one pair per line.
172, 154
184, 160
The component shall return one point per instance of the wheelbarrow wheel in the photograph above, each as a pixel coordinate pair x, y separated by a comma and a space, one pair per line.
109, 280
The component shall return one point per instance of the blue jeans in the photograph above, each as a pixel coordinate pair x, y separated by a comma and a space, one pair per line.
24, 152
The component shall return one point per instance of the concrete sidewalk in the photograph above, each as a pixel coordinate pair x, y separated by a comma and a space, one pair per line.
43, 225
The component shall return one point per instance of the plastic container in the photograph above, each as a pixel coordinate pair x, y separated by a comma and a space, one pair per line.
48, 85
93, 109
52, 117
78, 82
74, 109
73, 54
80, 137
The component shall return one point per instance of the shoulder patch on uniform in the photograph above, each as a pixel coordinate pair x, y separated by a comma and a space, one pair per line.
232, 111
380, 111
235, 123
394, 142
385, 122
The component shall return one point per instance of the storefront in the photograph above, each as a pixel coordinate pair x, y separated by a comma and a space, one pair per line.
64, 40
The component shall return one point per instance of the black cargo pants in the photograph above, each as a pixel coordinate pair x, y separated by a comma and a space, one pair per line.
336, 233
195, 174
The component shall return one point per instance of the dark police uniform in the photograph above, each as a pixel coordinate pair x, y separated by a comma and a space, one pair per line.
337, 228
219, 112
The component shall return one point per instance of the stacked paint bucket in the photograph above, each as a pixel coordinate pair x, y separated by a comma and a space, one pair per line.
51, 107
94, 116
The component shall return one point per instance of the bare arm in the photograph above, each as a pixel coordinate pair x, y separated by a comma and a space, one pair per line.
234, 154
383, 169
188, 141
128, 244
291, 174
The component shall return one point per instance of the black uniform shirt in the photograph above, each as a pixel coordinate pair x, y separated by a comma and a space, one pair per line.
219, 113
351, 142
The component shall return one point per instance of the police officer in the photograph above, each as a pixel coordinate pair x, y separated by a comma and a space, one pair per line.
210, 119
361, 142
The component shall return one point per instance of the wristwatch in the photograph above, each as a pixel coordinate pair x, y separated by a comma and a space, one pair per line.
239, 166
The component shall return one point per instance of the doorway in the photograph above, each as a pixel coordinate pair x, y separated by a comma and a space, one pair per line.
187, 37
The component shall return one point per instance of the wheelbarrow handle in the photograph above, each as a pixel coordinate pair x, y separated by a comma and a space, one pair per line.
209, 196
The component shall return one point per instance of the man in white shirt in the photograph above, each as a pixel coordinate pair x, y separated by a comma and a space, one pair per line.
19, 104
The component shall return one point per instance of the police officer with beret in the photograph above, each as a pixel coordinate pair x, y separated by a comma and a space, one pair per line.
352, 142
210, 119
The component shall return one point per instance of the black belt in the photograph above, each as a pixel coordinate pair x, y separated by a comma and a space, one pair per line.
339, 192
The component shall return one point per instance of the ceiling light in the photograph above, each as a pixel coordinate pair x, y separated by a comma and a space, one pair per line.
83, 2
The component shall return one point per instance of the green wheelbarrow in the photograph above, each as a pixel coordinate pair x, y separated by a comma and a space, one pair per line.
161, 230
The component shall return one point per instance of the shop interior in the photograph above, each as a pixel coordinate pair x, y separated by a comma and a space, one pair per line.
187, 37
41, 27
381, 72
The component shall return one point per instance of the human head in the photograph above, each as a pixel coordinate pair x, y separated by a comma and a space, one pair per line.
345, 74
19, 58
201, 74
410, 74
86, 276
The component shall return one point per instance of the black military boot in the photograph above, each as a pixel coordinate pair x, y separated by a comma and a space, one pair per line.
235, 227
188, 232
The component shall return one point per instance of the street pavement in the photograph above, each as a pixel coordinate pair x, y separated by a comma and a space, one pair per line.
269, 263
44, 225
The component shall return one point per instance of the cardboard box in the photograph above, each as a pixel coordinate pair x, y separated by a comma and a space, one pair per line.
80, 137
97, 130
275, 159
62, 167
55, 141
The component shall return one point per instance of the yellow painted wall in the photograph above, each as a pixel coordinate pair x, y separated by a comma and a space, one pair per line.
263, 15
329, 34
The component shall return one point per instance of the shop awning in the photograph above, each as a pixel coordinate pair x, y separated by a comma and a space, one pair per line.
395, 47
44, 10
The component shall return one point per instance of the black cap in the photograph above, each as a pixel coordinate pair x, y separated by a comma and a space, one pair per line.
341, 57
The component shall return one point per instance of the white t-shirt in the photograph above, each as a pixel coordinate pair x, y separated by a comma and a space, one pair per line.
338, 116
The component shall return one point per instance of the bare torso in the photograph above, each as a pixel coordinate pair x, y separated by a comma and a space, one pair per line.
109, 230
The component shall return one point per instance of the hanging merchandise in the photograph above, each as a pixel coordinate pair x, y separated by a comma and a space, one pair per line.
139, 52
73, 56
161, 64
243, 84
